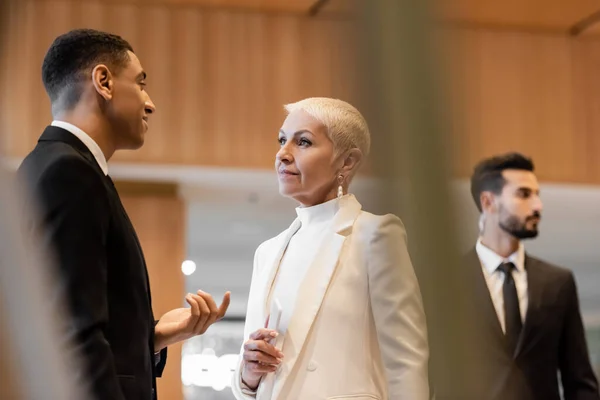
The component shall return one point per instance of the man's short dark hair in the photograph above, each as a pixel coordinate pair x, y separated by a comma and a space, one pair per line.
73, 55
487, 175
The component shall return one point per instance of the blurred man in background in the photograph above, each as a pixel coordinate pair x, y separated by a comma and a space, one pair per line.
527, 308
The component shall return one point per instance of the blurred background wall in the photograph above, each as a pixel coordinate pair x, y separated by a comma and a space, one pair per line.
220, 70
516, 75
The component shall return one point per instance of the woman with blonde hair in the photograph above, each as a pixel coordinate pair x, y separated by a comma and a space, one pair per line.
351, 322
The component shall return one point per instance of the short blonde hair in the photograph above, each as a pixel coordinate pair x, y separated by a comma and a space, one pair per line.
345, 125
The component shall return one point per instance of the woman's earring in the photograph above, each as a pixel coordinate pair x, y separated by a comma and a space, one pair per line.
340, 192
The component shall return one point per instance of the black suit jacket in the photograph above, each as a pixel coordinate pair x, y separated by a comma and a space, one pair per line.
552, 339
102, 274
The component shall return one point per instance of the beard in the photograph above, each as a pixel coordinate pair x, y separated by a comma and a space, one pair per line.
514, 227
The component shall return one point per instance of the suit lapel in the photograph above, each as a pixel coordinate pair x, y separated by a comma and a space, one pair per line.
535, 291
112, 188
535, 288
486, 306
273, 263
314, 286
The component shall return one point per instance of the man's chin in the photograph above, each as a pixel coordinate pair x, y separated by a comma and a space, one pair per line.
133, 144
526, 234
137, 140
520, 233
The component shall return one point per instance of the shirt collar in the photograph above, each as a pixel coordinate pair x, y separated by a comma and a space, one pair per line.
491, 261
87, 141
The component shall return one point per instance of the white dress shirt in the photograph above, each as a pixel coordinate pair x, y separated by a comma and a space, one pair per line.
87, 141
490, 261
299, 255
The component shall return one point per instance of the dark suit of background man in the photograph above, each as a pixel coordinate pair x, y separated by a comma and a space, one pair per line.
96, 86
527, 309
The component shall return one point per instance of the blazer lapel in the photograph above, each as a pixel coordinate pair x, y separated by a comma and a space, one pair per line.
535, 291
486, 306
314, 287
268, 278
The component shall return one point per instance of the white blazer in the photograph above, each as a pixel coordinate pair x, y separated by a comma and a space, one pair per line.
358, 329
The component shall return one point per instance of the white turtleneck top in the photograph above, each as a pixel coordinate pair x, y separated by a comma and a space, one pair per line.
300, 254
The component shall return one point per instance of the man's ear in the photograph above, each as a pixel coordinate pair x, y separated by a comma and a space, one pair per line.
488, 202
102, 80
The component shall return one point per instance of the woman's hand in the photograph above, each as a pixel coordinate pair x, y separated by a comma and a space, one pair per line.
260, 357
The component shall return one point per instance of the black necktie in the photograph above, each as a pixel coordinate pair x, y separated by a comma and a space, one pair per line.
512, 314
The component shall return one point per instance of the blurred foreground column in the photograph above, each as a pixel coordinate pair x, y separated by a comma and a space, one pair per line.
399, 80
32, 365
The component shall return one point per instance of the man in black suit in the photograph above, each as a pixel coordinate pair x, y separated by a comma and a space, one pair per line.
96, 86
527, 309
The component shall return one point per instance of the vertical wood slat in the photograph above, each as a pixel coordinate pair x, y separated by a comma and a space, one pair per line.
159, 221
219, 78
586, 56
516, 92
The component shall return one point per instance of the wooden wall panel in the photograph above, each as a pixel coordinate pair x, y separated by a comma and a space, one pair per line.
219, 78
159, 220
520, 91
586, 56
